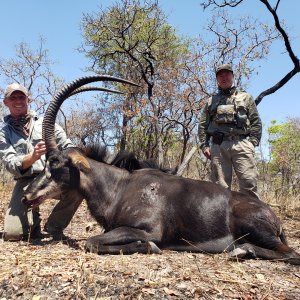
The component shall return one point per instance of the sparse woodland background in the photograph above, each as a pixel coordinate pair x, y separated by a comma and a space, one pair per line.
132, 39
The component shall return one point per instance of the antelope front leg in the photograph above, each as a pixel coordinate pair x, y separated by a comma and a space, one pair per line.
123, 240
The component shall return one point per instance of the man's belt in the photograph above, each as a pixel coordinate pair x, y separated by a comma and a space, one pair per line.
234, 137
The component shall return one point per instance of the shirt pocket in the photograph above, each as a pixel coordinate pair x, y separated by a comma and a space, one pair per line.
21, 147
225, 114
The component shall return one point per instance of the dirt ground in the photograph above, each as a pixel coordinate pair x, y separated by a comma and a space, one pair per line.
57, 270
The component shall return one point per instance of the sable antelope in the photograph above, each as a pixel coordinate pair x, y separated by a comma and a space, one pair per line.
147, 210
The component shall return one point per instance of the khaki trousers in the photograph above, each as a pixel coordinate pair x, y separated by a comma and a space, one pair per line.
20, 222
240, 156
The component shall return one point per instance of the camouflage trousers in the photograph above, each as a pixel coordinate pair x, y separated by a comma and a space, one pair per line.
239, 156
20, 222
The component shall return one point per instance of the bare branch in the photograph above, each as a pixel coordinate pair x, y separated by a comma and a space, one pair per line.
283, 33
288, 47
232, 3
278, 85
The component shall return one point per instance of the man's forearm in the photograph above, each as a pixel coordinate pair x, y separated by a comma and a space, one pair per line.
28, 161
31, 158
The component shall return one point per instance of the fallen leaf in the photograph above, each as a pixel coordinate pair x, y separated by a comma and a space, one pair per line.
171, 292
260, 277
148, 291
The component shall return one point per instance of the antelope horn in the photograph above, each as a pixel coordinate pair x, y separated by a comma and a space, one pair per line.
93, 88
60, 97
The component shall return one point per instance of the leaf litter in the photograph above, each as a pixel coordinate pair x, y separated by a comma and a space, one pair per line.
57, 270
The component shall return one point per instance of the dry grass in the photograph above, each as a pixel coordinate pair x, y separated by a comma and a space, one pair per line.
53, 270
285, 205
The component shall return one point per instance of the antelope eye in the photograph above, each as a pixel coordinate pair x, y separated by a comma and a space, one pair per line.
54, 162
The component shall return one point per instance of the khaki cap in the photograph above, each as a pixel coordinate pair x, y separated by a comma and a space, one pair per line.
13, 88
224, 67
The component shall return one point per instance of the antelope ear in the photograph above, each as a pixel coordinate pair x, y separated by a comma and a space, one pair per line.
80, 162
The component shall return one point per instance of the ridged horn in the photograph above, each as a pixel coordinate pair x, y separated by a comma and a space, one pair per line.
61, 96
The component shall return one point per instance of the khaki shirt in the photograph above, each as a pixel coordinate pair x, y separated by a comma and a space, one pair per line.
14, 146
244, 101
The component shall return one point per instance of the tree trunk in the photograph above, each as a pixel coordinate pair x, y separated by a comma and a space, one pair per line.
185, 162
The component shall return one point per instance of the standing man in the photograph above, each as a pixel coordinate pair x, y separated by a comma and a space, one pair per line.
229, 130
22, 151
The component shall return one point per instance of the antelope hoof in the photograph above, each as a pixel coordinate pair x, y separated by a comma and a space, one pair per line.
244, 251
238, 253
152, 248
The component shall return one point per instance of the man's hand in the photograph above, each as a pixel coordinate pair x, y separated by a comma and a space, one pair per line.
32, 157
39, 150
206, 152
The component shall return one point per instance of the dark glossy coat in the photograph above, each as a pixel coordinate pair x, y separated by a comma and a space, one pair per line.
147, 209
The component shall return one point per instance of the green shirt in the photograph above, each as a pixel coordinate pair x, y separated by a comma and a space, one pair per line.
242, 101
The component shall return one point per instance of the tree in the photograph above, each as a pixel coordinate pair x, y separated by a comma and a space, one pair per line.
234, 40
285, 153
133, 40
282, 32
31, 68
